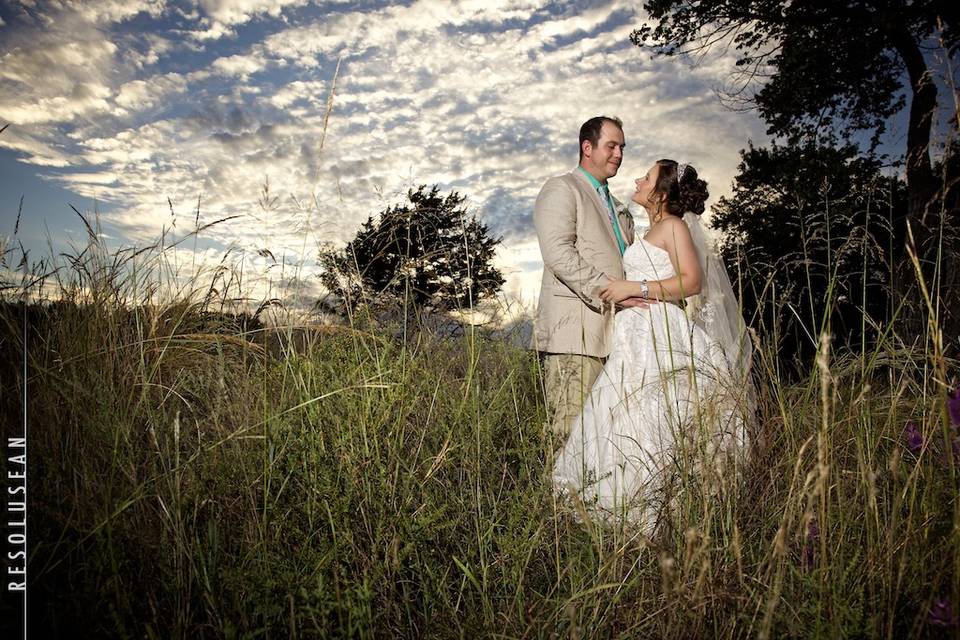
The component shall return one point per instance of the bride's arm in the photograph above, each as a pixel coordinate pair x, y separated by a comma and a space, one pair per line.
683, 255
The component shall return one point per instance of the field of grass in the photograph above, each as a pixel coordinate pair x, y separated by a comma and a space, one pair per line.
194, 475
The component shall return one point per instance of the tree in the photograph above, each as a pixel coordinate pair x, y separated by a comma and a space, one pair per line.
809, 230
826, 65
428, 252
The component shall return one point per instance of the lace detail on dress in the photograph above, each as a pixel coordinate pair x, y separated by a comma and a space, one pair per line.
646, 408
645, 261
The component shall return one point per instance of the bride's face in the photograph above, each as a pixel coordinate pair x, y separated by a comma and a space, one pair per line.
645, 187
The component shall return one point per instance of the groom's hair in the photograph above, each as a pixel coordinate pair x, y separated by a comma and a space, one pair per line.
590, 130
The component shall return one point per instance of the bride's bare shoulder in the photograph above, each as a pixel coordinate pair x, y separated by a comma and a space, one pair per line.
665, 231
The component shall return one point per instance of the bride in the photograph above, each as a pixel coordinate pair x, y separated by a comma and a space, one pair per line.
675, 388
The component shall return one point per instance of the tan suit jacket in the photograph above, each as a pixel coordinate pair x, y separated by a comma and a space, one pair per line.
579, 251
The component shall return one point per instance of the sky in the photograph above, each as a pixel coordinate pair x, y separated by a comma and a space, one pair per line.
148, 111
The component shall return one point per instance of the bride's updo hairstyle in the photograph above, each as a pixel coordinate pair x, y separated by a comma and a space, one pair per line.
681, 193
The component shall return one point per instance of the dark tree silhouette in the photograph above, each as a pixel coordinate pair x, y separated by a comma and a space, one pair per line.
809, 231
823, 65
429, 252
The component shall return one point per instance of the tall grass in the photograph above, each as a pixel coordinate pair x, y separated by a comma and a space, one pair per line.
198, 474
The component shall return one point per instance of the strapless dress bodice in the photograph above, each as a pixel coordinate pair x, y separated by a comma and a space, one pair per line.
645, 261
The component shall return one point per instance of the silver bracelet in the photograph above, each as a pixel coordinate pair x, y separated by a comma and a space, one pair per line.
644, 289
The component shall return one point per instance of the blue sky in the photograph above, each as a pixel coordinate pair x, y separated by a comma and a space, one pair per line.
123, 105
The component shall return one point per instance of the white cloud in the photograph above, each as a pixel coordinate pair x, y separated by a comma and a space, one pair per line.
86, 179
240, 65
138, 95
157, 47
312, 92
55, 66
111, 11
134, 94
212, 32
82, 100
36, 152
219, 18
240, 11
482, 97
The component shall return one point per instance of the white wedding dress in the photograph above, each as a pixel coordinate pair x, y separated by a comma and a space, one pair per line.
660, 402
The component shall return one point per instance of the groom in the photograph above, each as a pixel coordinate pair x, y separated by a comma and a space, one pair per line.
583, 232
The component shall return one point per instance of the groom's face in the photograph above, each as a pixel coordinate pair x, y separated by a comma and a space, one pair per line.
603, 160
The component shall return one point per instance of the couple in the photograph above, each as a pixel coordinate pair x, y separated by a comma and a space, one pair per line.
646, 356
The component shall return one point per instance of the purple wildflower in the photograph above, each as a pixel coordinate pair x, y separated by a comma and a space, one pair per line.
941, 613
813, 531
914, 437
809, 547
953, 407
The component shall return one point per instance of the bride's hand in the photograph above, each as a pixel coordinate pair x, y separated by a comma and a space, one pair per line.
617, 291
635, 303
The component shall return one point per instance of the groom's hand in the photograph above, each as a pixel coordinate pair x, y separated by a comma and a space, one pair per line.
636, 303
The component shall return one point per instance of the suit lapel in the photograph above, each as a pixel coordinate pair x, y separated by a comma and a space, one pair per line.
626, 224
599, 206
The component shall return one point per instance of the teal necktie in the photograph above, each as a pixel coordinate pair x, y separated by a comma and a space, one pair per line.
605, 196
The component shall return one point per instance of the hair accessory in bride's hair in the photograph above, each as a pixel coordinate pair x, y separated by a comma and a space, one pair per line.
681, 169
